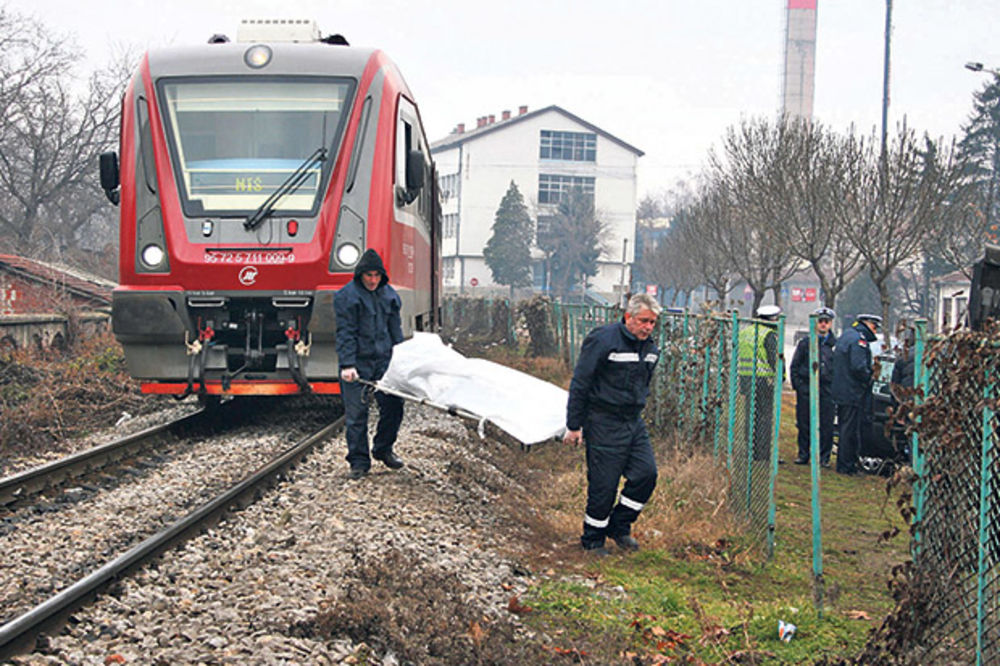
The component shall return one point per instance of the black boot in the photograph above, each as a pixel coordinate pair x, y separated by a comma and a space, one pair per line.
390, 460
626, 542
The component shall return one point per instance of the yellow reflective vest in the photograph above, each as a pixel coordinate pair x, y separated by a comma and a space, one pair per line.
751, 342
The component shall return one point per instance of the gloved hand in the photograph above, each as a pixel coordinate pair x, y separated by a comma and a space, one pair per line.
349, 375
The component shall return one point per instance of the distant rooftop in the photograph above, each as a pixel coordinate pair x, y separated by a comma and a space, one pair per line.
74, 280
488, 124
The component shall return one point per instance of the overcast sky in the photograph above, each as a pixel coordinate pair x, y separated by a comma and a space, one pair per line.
667, 76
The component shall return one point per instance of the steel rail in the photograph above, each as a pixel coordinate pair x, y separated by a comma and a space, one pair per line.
19, 634
17, 486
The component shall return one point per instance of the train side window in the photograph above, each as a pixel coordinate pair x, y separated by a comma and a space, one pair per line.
409, 137
146, 145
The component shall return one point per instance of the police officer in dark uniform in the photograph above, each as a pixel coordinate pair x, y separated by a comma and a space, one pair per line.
606, 398
852, 381
800, 382
368, 325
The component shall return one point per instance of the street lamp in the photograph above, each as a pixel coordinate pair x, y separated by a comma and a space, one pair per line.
980, 67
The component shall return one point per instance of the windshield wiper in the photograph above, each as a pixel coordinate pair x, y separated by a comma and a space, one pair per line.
292, 183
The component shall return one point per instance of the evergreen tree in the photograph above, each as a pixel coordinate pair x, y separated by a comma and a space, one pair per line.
508, 251
979, 149
572, 241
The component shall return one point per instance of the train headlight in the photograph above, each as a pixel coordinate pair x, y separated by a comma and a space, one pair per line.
152, 255
348, 254
257, 56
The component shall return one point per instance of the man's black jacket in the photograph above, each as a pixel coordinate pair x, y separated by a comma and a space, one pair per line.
800, 364
368, 322
612, 374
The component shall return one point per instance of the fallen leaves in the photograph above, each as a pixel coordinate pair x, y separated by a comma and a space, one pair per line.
515, 606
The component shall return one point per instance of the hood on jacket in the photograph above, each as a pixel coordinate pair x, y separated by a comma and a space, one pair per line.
370, 261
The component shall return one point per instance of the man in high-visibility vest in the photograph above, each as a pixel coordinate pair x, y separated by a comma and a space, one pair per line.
757, 368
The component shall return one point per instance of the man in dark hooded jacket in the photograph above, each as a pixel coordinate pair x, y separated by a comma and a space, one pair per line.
852, 388
368, 325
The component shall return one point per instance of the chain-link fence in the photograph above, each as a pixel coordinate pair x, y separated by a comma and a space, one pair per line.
717, 385
948, 596
478, 321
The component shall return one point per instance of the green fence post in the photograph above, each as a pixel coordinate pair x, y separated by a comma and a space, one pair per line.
704, 384
985, 476
920, 382
752, 409
778, 372
733, 360
572, 337
511, 339
716, 426
683, 399
817, 536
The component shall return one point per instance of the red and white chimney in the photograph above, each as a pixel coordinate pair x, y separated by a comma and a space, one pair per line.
505, 115
521, 110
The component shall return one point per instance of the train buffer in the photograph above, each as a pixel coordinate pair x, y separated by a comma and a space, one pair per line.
524, 408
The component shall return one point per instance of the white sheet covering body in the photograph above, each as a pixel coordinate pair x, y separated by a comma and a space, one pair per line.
525, 407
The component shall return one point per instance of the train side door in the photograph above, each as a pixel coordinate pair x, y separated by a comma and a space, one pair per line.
413, 210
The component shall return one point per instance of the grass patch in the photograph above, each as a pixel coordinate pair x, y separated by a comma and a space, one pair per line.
700, 590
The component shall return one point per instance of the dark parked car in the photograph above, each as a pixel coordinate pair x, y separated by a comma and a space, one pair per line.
882, 448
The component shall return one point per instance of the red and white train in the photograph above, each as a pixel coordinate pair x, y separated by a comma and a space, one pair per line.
252, 177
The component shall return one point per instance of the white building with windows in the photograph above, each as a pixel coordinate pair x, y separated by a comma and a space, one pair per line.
951, 309
547, 153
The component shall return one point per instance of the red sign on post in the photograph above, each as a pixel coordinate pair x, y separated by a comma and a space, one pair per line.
651, 289
810, 294
474, 282
796, 294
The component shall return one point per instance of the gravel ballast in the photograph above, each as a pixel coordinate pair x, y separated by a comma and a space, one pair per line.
415, 565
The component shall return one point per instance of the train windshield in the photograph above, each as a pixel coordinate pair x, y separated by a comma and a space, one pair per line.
235, 141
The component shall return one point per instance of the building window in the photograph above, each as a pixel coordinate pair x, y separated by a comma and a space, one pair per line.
961, 310
449, 269
450, 225
576, 146
448, 186
551, 188
945, 314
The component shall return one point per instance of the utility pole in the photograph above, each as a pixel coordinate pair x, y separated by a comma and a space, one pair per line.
885, 77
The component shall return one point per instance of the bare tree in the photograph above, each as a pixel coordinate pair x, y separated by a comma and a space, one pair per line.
695, 228
895, 201
808, 184
749, 227
53, 128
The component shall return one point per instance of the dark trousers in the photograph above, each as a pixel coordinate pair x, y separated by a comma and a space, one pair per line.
615, 448
826, 411
849, 421
390, 416
763, 421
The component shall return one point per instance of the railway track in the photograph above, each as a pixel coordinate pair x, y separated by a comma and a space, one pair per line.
17, 488
19, 634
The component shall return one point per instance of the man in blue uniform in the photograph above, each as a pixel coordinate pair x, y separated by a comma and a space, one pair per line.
368, 325
852, 381
606, 398
800, 382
